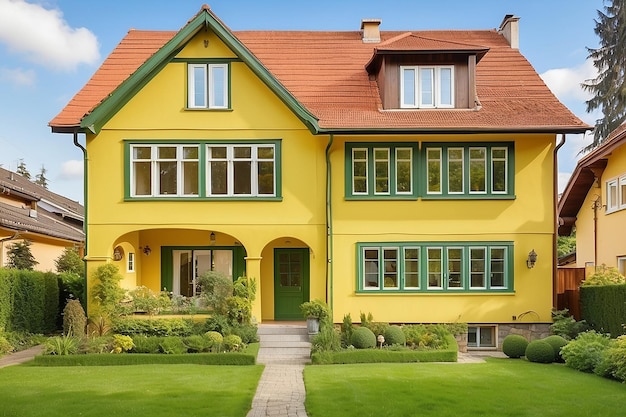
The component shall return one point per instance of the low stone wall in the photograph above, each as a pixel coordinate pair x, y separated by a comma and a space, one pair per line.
531, 331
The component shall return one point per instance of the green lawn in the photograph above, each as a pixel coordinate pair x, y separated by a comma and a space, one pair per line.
500, 387
138, 391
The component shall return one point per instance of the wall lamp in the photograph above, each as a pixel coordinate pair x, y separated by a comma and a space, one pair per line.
212, 238
532, 259
146, 250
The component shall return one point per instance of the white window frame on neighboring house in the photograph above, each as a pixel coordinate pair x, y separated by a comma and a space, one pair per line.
616, 194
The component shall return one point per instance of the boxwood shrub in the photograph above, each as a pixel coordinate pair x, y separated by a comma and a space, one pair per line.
514, 346
394, 336
363, 338
557, 342
539, 351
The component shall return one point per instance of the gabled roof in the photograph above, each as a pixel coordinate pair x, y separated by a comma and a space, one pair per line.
56, 216
321, 77
587, 173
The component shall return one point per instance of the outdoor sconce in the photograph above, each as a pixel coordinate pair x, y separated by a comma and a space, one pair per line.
118, 253
146, 250
532, 259
212, 239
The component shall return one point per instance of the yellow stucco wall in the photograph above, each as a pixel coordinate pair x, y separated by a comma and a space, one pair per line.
158, 112
611, 226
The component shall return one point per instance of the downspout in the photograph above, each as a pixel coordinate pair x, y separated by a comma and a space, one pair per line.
329, 226
85, 188
555, 202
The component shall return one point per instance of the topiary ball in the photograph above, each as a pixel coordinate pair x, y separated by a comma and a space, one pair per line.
540, 351
363, 338
394, 336
514, 346
232, 343
557, 342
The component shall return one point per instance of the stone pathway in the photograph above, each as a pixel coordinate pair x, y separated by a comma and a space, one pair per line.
21, 356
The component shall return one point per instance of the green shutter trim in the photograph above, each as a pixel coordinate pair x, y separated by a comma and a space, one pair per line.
148, 70
167, 269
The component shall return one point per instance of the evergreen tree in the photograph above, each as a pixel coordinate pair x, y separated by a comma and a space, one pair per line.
20, 257
69, 261
609, 88
22, 170
41, 178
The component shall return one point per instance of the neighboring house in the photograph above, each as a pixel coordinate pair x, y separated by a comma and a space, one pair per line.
403, 174
594, 202
30, 212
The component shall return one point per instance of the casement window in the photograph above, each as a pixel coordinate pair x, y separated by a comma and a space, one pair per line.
203, 170
164, 170
616, 194
435, 267
207, 86
241, 170
621, 264
426, 87
130, 262
482, 337
381, 170
468, 170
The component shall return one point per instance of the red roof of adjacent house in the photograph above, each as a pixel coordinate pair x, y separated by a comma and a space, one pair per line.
325, 72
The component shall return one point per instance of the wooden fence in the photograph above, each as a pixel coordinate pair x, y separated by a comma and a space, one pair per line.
568, 290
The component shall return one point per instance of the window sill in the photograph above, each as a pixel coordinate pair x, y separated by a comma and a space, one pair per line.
207, 109
469, 197
202, 199
435, 292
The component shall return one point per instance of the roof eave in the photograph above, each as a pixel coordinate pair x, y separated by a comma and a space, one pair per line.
95, 120
455, 130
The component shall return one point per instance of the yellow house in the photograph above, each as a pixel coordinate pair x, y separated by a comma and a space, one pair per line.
594, 203
403, 174
30, 212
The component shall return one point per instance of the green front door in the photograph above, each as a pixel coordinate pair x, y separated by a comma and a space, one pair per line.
291, 282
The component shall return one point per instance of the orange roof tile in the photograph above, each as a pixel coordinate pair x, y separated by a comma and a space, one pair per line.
325, 72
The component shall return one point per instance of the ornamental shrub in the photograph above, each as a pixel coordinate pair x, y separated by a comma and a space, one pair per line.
346, 330
196, 343
107, 292
430, 336
74, 319
363, 338
172, 345
5, 346
232, 343
215, 340
146, 344
585, 352
539, 351
565, 325
62, 345
514, 346
613, 363
394, 336
557, 343
328, 339
604, 276
122, 343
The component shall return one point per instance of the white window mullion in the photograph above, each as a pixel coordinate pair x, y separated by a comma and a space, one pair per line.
230, 172
254, 171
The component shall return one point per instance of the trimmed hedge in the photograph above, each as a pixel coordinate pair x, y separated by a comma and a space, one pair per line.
604, 308
29, 301
450, 354
514, 346
540, 351
96, 359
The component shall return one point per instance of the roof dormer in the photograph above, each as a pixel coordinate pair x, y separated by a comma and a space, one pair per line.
416, 72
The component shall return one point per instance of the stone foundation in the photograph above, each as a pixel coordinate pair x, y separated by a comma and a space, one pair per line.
531, 331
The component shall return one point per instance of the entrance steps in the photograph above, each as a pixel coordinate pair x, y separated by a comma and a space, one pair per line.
283, 343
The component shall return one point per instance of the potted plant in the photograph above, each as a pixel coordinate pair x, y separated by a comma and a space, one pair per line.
314, 311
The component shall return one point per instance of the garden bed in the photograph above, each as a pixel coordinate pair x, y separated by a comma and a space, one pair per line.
348, 356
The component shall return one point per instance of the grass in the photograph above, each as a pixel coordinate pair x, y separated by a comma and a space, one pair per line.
500, 387
141, 390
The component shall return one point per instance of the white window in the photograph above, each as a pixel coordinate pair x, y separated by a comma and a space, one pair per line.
621, 265
481, 337
130, 265
426, 87
241, 170
616, 194
207, 86
164, 170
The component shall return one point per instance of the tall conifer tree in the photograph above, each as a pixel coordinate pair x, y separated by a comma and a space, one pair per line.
609, 88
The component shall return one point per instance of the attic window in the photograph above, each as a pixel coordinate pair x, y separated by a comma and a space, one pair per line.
426, 87
207, 86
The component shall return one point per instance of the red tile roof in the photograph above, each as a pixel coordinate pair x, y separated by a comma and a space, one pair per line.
325, 72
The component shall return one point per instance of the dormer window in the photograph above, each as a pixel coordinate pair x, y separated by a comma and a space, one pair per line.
426, 87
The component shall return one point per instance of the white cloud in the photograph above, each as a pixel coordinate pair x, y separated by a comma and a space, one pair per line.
563, 179
45, 37
72, 170
17, 76
565, 82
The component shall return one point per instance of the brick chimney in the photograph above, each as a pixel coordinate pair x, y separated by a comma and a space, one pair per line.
370, 31
509, 28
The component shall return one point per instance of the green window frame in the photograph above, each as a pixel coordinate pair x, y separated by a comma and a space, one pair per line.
381, 170
203, 170
435, 267
468, 170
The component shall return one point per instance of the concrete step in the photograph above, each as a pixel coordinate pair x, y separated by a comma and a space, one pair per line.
281, 330
302, 350
285, 344
283, 338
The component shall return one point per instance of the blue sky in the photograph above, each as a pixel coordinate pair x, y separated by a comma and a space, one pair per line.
50, 48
